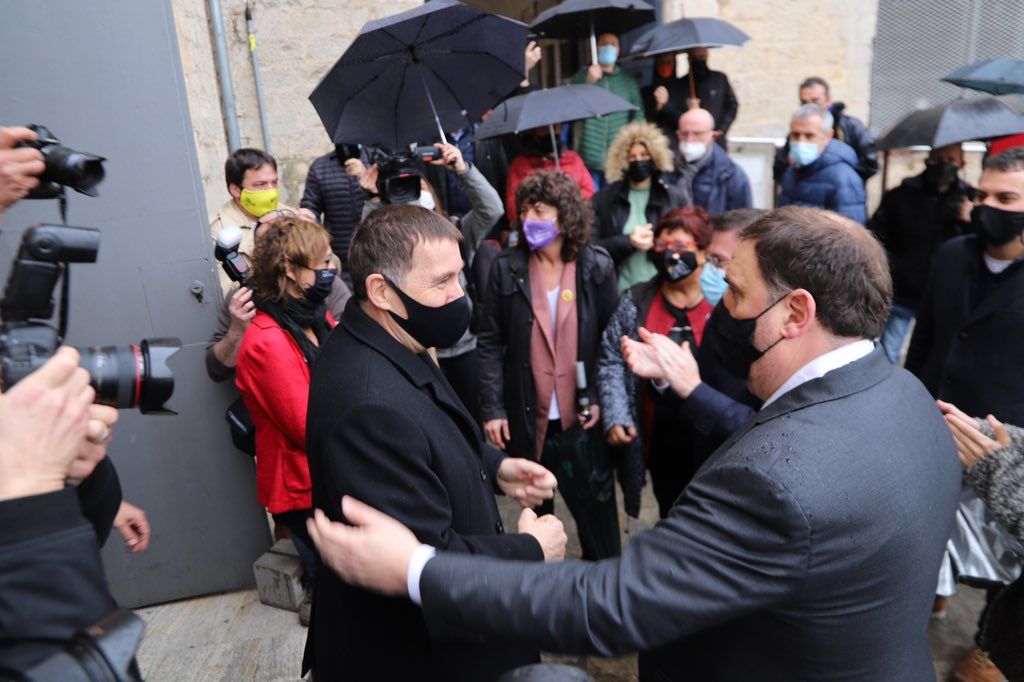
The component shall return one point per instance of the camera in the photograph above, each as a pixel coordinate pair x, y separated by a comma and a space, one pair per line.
398, 179
346, 151
226, 252
64, 166
130, 376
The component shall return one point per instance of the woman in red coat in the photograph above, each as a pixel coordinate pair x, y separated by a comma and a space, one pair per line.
291, 275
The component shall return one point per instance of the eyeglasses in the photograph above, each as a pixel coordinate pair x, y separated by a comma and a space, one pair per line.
718, 261
663, 245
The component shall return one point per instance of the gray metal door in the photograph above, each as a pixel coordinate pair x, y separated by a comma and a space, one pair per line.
106, 78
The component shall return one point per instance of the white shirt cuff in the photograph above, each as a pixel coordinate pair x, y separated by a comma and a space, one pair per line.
420, 557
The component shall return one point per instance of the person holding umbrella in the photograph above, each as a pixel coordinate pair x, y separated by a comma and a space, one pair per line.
541, 150
594, 136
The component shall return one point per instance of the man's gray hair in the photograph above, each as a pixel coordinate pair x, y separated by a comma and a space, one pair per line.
810, 109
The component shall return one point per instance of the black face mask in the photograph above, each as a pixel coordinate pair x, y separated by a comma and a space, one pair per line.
319, 290
640, 170
995, 226
940, 174
671, 266
735, 350
431, 327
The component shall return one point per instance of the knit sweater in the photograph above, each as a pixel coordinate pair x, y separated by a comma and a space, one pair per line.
998, 478
593, 136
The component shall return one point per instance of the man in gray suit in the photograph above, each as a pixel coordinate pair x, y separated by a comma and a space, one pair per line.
807, 546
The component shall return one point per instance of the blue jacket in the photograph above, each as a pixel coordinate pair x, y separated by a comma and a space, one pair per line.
831, 182
720, 184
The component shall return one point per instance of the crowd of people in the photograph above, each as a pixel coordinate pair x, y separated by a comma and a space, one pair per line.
561, 310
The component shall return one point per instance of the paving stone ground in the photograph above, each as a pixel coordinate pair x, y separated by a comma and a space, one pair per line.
234, 637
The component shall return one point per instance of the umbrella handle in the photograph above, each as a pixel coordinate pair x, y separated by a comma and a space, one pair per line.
593, 42
554, 147
437, 119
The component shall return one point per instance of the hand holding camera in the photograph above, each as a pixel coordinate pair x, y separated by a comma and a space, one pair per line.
44, 424
19, 166
451, 156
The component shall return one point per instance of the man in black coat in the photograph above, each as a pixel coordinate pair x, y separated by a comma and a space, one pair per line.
336, 200
912, 222
386, 426
668, 97
802, 550
966, 346
847, 128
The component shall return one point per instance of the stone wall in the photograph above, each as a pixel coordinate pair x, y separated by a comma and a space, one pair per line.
297, 41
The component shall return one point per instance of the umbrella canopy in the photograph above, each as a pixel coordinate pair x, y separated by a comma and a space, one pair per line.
957, 121
411, 76
548, 107
683, 34
998, 76
578, 19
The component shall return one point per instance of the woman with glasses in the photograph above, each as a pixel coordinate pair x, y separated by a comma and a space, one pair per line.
637, 416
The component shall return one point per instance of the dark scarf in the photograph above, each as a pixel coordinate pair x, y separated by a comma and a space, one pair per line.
296, 314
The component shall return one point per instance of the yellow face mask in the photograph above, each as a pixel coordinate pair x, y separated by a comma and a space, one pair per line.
260, 203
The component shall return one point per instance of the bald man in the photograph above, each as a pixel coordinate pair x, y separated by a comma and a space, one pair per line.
715, 181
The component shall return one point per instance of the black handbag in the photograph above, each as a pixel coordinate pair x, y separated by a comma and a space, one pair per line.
243, 433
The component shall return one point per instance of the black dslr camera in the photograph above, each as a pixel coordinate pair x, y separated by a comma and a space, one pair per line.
122, 376
65, 167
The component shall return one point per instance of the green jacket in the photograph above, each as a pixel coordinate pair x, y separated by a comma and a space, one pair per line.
593, 136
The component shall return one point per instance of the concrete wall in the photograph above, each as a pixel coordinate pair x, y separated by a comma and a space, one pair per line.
297, 41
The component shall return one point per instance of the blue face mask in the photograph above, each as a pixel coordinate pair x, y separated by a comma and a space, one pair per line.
804, 153
607, 54
712, 283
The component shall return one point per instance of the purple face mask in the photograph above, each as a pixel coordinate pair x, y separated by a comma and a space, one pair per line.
539, 233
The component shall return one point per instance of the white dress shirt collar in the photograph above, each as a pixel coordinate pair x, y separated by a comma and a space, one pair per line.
822, 365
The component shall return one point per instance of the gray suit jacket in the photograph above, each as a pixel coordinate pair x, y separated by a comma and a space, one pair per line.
807, 547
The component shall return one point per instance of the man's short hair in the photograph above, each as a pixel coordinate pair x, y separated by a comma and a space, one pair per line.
811, 109
815, 80
384, 242
735, 219
1009, 161
245, 159
839, 262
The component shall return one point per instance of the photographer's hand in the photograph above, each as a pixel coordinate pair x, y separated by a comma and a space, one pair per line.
44, 421
18, 166
94, 447
241, 309
451, 156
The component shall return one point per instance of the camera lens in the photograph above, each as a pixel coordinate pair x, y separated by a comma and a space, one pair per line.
132, 376
77, 170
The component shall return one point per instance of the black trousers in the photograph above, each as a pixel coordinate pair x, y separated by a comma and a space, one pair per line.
463, 374
295, 522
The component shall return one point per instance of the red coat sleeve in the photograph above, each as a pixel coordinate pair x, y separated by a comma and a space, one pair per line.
517, 170
273, 374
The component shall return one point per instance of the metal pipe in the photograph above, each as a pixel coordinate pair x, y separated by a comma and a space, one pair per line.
227, 90
250, 26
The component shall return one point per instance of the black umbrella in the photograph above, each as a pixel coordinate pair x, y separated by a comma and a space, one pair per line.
999, 76
956, 121
683, 34
436, 67
577, 19
548, 107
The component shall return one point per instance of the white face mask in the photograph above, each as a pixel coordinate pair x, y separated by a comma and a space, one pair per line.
426, 200
692, 151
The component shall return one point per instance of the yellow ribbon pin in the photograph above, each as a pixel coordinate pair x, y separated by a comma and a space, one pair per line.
567, 295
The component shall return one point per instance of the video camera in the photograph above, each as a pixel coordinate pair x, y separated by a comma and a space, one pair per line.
398, 178
136, 375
